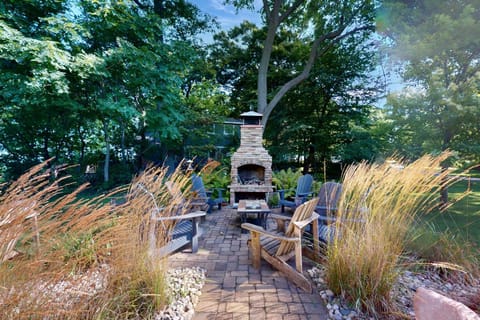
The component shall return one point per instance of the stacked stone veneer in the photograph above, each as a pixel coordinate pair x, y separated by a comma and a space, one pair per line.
250, 152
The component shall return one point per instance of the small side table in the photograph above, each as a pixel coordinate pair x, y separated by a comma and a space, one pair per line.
254, 207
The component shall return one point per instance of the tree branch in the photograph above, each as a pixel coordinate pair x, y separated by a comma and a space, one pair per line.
141, 5
336, 37
289, 11
267, 11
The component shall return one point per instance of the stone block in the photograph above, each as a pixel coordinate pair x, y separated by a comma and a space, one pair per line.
429, 305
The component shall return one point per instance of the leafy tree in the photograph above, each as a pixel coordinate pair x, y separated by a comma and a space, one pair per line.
437, 45
441, 67
83, 77
321, 24
37, 110
321, 111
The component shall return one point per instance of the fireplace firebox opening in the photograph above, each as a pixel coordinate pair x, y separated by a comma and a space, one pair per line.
251, 174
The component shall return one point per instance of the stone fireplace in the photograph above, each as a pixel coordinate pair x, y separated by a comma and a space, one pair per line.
251, 172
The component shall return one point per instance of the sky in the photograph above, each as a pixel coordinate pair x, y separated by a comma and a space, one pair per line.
226, 15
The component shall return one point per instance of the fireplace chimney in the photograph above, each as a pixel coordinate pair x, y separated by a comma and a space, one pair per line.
251, 172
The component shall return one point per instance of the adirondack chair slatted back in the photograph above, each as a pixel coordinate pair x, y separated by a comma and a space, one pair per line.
177, 200
303, 212
329, 194
304, 184
198, 187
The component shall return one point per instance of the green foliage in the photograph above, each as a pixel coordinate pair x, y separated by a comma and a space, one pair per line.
217, 178
79, 251
433, 246
273, 199
321, 25
323, 111
286, 180
86, 79
435, 44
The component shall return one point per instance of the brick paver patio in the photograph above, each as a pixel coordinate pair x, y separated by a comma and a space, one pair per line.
234, 289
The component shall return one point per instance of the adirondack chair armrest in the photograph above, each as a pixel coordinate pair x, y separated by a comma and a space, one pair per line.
302, 224
254, 228
281, 193
305, 194
281, 220
331, 218
190, 215
219, 192
200, 198
280, 217
326, 219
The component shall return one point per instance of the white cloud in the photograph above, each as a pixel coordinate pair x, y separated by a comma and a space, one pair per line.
218, 5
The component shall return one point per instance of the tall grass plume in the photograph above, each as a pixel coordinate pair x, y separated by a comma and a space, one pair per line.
68, 258
377, 207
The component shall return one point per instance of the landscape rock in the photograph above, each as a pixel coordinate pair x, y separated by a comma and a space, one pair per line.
402, 293
429, 304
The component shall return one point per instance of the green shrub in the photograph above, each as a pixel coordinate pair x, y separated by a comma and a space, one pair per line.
286, 180
216, 176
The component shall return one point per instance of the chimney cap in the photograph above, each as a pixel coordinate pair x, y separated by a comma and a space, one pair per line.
251, 118
251, 114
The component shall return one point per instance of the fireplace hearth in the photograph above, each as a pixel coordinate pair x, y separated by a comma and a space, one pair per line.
251, 171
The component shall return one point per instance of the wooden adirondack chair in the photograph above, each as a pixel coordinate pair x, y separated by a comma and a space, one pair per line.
302, 192
279, 247
205, 196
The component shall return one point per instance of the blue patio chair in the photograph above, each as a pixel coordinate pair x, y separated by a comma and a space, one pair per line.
303, 192
328, 199
205, 196
182, 229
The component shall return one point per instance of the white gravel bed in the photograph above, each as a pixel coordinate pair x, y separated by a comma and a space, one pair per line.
402, 293
184, 287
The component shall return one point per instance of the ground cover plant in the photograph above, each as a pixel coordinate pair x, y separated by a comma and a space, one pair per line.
83, 259
377, 209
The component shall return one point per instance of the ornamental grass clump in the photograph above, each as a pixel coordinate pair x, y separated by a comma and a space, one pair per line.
67, 258
375, 212
137, 287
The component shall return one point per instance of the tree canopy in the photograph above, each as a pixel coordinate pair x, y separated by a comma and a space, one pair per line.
320, 24
81, 79
322, 111
435, 43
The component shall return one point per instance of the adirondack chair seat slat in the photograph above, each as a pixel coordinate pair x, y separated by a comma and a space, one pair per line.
326, 233
182, 229
272, 249
269, 243
186, 230
185, 233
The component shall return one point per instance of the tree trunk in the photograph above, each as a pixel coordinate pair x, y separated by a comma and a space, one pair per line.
106, 165
265, 60
447, 138
274, 18
46, 154
122, 142
444, 191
